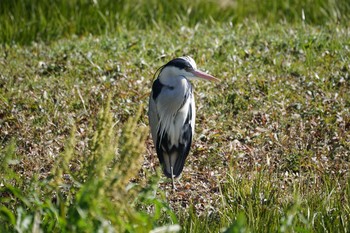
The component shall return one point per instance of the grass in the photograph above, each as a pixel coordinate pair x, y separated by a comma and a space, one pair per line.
25, 21
271, 150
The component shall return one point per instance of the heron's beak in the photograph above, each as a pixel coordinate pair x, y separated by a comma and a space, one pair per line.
203, 75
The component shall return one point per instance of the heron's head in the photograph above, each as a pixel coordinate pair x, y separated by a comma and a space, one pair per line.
184, 66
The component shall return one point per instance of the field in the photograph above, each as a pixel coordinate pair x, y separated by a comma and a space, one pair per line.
271, 151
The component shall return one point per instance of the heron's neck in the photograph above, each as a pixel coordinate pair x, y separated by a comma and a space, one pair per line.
176, 90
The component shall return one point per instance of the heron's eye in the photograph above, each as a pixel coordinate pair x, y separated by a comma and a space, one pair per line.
188, 68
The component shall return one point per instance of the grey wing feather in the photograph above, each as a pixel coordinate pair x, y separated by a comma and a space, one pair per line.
153, 118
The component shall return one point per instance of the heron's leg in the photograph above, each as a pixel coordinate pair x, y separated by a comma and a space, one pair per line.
172, 178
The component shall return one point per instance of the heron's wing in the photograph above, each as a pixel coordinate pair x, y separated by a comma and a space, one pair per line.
153, 118
153, 115
175, 155
184, 146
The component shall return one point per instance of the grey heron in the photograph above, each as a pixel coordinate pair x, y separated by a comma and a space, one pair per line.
172, 113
